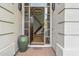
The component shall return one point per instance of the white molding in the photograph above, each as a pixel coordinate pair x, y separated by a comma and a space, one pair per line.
29, 23
45, 12
45, 17
71, 52
51, 24
23, 18
59, 50
39, 45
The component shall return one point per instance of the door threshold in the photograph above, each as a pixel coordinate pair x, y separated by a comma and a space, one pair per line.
39, 46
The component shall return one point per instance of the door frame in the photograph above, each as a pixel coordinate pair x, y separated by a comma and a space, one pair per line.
45, 45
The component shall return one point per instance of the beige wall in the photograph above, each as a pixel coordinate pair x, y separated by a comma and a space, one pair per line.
10, 28
65, 29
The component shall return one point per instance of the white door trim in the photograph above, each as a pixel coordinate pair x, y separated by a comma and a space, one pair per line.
45, 45
23, 16
39, 46
51, 31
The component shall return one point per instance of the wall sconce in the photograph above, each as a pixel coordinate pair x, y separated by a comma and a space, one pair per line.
20, 6
53, 6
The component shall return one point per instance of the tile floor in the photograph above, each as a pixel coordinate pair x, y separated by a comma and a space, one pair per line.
37, 51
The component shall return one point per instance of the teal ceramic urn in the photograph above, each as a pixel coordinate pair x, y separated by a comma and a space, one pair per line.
23, 43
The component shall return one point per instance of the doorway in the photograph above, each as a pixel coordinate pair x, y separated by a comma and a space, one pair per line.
37, 23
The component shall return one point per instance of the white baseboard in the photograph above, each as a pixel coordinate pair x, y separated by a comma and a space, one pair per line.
59, 50
39, 46
71, 52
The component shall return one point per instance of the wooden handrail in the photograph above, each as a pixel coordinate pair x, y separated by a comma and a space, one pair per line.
38, 29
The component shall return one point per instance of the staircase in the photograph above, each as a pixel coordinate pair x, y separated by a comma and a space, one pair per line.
40, 25
37, 30
37, 39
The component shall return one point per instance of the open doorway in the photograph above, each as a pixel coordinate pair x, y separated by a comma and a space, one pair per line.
37, 25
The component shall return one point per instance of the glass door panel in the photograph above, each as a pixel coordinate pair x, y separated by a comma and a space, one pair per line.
27, 20
47, 24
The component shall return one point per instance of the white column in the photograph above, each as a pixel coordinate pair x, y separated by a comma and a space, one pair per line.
23, 16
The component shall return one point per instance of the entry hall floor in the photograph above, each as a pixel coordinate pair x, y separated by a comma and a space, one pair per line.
37, 51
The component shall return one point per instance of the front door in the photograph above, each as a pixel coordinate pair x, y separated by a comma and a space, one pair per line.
38, 23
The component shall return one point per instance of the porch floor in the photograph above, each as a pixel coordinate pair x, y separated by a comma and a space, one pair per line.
37, 51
